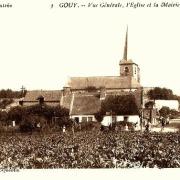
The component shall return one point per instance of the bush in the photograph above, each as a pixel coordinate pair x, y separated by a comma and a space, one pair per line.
16, 114
4, 102
88, 126
164, 111
4, 118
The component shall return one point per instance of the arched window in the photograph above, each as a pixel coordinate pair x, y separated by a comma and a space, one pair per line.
126, 70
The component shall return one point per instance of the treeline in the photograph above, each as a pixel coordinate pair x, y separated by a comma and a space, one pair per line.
8, 93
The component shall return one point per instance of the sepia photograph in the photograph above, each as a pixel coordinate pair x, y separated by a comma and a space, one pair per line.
89, 85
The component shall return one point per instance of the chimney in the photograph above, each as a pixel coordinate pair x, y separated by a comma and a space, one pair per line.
66, 90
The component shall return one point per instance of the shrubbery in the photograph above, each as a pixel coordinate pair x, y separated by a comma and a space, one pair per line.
27, 118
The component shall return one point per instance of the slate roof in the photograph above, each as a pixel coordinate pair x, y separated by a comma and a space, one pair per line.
51, 95
109, 82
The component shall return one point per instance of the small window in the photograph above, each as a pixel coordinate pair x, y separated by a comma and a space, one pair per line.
125, 118
84, 119
90, 119
76, 119
135, 70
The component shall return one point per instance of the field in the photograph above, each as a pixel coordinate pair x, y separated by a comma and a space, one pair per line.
90, 149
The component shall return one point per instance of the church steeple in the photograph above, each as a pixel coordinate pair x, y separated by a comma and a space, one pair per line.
126, 46
127, 66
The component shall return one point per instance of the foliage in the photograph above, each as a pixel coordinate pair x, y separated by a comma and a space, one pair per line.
164, 111
4, 102
90, 125
161, 93
16, 114
149, 104
118, 105
26, 125
3, 117
99, 115
26, 117
47, 111
8, 93
65, 121
173, 114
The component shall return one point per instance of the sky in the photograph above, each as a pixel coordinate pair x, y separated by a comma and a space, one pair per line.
41, 47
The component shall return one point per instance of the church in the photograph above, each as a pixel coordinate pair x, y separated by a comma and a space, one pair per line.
127, 80
83, 95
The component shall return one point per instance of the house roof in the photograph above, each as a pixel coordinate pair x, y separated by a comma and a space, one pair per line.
109, 82
89, 104
85, 105
51, 95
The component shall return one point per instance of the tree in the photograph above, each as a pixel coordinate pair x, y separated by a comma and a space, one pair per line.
164, 111
161, 93
118, 105
8, 93
47, 111
4, 117
149, 104
16, 114
173, 113
99, 115
4, 102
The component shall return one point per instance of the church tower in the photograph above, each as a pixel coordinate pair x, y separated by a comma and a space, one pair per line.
127, 66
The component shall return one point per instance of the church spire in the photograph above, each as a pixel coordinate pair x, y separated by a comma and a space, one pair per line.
126, 46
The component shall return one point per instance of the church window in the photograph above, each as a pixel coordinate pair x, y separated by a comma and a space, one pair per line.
126, 71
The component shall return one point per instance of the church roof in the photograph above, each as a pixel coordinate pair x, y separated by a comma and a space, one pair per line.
109, 82
51, 95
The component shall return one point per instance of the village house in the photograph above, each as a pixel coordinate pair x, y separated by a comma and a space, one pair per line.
34, 97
